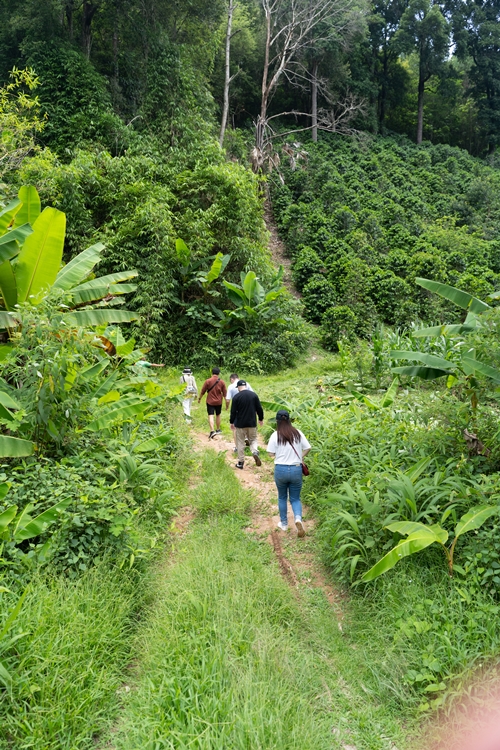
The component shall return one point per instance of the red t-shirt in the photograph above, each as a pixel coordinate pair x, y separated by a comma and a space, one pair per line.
216, 393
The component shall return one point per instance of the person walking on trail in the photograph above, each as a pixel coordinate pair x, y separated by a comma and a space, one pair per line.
245, 409
231, 393
216, 391
190, 392
288, 446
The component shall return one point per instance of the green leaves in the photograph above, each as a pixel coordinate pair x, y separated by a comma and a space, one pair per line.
457, 296
102, 316
474, 519
79, 267
12, 447
28, 528
417, 541
40, 257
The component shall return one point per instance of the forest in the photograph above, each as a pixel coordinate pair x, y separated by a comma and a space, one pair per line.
307, 193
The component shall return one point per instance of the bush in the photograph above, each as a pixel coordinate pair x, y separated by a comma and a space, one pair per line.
337, 323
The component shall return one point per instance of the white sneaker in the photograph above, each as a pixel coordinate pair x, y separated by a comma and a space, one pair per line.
282, 526
301, 532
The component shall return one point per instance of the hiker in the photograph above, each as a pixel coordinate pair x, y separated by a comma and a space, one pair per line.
191, 391
245, 409
142, 362
288, 446
215, 388
231, 393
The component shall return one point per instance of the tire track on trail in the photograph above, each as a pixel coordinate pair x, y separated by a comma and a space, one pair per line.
298, 559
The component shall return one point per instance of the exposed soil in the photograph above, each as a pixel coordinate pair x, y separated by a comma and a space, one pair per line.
296, 557
278, 251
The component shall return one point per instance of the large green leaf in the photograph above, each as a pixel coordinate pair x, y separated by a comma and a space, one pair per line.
121, 411
416, 542
444, 330
87, 296
8, 286
235, 294
216, 268
8, 251
411, 527
390, 394
8, 213
15, 447
415, 471
30, 209
19, 234
183, 252
463, 299
100, 317
8, 319
249, 285
38, 525
110, 278
430, 360
90, 372
490, 372
7, 516
79, 267
425, 373
40, 258
475, 518
153, 443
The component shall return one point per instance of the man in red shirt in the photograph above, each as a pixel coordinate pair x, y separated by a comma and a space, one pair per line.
216, 391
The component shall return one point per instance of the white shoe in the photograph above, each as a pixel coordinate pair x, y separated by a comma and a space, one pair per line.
282, 526
301, 532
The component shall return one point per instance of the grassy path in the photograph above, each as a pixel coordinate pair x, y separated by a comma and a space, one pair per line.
236, 654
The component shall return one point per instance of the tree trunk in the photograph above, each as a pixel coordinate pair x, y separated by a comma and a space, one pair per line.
227, 76
420, 108
314, 102
89, 11
262, 119
383, 91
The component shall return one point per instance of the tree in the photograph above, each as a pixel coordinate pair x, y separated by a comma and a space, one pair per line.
423, 29
291, 28
227, 71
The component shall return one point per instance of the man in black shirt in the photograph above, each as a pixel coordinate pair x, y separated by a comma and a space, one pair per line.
245, 408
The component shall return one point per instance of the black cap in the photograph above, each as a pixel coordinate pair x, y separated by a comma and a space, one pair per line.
241, 383
282, 414
187, 370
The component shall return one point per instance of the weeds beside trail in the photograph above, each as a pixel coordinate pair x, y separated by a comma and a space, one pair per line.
230, 659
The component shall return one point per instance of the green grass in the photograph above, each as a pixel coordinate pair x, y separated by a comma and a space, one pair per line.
71, 661
229, 658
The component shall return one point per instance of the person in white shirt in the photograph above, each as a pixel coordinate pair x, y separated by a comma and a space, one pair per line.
288, 446
190, 392
231, 393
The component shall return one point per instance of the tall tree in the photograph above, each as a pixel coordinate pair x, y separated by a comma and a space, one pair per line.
476, 33
423, 29
227, 69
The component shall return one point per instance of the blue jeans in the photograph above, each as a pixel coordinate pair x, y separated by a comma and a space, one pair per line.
289, 483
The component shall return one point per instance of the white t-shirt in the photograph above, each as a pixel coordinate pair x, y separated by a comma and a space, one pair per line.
233, 390
284, 453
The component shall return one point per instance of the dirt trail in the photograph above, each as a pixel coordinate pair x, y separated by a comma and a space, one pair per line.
278, 251
297, 558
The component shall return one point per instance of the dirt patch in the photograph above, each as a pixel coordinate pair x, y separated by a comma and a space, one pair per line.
278, 250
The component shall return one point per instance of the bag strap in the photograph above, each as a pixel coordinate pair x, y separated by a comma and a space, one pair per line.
212, 386
293, 448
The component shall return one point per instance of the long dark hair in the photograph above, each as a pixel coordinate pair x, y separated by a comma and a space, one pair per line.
286, 432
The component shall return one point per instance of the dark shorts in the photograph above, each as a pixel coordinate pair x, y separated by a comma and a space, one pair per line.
214, 409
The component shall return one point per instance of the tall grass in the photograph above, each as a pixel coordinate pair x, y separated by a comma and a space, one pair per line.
70, 663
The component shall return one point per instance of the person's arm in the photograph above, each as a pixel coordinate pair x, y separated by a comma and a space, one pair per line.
151, 364
203, 389
304, 444
271, 446
234, 409
259, 410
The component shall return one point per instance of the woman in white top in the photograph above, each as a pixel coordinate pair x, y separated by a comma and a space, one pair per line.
190, 392
288, 446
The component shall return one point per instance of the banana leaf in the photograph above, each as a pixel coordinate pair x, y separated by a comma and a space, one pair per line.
480, 367
30, 208
7, 516
111, 278
40, 257
463, 299
153, 443
100, 317
426, 373
19, 235
93, 370
475, 518
38, 525
79, 267
12, 447
415, 542
8, 286
390, 394
8, 213
430, 360
87, 296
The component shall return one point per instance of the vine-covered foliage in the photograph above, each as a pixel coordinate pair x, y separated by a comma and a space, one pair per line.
363, 218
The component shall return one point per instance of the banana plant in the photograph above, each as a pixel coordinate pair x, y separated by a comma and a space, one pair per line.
252, 300
419, 536
31, 248
430, 366
191, 271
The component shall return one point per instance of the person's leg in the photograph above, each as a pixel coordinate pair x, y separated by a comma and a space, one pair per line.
186, 407
281, 479
210, 412
254, 446
240, 444
218, 410
294, 488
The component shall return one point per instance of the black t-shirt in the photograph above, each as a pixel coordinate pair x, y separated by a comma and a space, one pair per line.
245, 407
